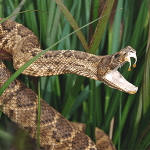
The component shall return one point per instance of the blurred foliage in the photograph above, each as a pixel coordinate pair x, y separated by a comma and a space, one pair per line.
84, 100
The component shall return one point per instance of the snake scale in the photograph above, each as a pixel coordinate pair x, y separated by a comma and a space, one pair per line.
20, 102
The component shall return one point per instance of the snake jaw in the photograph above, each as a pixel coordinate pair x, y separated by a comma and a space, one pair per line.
115, 80
112, 76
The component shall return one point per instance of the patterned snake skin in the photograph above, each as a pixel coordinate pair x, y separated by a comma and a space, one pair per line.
20, 102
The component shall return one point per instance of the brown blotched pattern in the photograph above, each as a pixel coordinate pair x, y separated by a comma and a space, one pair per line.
20, 103
24, 45
102, 140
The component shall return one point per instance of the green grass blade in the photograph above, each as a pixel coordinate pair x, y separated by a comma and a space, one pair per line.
146, 82
139, 25
49, 34
133, 20
101, 26
116, 26
30, 17
54, 27
73, 95
66, 29
1, 9
6, 135
144, 140
89, 123
73, 24
82, 97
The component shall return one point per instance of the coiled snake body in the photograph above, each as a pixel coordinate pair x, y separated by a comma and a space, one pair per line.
20, 103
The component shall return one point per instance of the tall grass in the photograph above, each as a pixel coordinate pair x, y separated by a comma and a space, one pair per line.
83, 100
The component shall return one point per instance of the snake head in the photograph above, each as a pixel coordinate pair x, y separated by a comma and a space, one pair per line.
108, 70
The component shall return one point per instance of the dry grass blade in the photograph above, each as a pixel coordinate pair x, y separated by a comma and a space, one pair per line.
17, 10
101, 6
112, 16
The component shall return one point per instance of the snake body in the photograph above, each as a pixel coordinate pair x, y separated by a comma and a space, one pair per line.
20, 103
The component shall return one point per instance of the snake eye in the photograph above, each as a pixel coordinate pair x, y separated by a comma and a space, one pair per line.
117, 55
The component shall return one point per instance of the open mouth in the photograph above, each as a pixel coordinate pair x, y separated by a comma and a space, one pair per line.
116, 80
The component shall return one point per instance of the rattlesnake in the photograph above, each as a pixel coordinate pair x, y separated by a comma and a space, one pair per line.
20, 103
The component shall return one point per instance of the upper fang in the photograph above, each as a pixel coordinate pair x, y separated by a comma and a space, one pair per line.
131, 54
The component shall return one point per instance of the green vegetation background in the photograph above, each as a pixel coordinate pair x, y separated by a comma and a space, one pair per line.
80, 99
